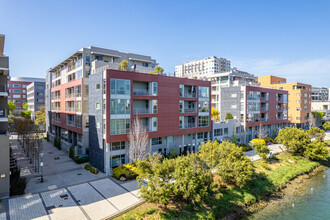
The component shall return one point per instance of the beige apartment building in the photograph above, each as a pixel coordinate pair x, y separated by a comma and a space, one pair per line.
300, 99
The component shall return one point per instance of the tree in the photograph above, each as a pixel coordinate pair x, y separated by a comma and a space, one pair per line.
25, 105
316, 151
229, 116
261, 149
193, 180
26, 114
326, 126
209, 153
158, 173
138, 141
40, 116
233, 138
318, 118
215, 113
233, 166
262, 132
293, 139
317, 133
158, 70
123, 65
11, 107
312, 120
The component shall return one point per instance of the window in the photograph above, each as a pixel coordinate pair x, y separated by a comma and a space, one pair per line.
104, 126
154, 88
181, 106
234, 106
200, 136
16, 96
305, 94
120, 86
24, 91
119, 126
120, 106
233, 95
154, 107
8, 85
86, 90
181, 119
305, 101
118, 145
24, 96
305, 108
299, 94
145, 64
203, 121
154, 124
181, 90
16, 86
298, 118
298, 109
98, 125
203, 92
156, 141
16, 91
298, 101
203, 106
225, 131
78, 106
97, 86
217, 132
253, 106
253, 95
97, 106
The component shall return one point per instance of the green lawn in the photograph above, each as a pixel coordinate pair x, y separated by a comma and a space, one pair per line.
269, 178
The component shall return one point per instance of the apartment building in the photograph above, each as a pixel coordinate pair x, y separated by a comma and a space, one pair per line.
18, 90
320, 94
299, 98
4, 135
256, 109
67, 92
202, 67
174, 111
35, 97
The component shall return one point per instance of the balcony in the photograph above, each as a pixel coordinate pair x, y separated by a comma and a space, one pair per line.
141, 111
3, 115
264, 107
56, 97
279, 107
142, 92
69, 109
3, 91
279, 97
279, 116
145, 107
71, 123
188, 91
190, 125
145, 88
264, 97
69, 95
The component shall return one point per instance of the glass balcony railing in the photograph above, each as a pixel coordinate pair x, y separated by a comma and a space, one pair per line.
141, 111
143, 92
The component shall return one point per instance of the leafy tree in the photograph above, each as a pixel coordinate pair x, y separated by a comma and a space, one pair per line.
192, 180
262, 150
316, 151
123, 65
11, 107
40, 116
158, 173
318, 117
209, 153
326, 126
215, 113
26, 114
158, 70
233, 166
229, 116
293, 139
317, 133
25, 105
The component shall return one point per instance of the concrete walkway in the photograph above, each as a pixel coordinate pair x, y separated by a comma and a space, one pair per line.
274, 149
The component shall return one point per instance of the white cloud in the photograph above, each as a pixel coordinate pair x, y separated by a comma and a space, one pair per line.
315, 72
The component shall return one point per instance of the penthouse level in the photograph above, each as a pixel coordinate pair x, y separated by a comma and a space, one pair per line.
174, 111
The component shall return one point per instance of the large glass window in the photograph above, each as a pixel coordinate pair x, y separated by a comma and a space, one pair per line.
120, 86
218, 132
119, 126
181, 90
16, 91
78, 106
16, 86
181, 106
118, 145
224, 79
253, 95
154, 107
203, 92
16, 96
203, 106
181, 119
253, 106
120, 106
154, 88
156, 141
154, 124
203, 121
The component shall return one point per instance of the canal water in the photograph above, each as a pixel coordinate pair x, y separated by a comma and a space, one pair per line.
312, 202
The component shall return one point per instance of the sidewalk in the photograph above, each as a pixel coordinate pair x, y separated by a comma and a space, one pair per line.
274, 149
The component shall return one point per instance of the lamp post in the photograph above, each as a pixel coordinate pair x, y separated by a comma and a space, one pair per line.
41, 165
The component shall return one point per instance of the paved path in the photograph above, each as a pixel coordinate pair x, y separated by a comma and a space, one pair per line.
93, 200
274, 149
59, 170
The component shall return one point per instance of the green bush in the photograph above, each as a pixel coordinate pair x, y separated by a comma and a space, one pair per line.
269, 140
88, 166
94, 170
71, 152
80, 160
245, 147
257, 141
127, 170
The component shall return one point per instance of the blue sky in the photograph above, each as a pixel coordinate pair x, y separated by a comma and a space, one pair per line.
284, 38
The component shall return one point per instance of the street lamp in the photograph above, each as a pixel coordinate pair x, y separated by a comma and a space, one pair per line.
41, 165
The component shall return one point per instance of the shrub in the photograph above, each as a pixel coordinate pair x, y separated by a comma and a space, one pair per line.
269, 140
257, 141
94, 170
88, 166
80, 160
262, 150
316, 151
71, 152
245, 147
128, 171
294, 139
326, 126
17, 183
229, 116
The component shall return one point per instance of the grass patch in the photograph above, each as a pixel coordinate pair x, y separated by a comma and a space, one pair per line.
223, 201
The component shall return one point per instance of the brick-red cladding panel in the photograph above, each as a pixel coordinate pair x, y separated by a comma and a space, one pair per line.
168, 103
271, 106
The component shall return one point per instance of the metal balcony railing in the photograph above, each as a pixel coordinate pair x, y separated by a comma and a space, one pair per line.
190, 110
190, 125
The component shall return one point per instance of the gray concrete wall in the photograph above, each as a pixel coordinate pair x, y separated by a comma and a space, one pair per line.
4, 166
226, 102
96, 151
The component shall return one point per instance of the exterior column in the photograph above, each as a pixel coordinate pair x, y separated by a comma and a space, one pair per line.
107, 164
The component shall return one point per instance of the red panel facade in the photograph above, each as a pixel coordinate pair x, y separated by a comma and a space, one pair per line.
272, 111
18, 101
168, 103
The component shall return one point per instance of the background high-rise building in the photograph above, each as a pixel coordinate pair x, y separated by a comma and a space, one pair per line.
4, 135
35, 97
320, 94
18, 90
203, 67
